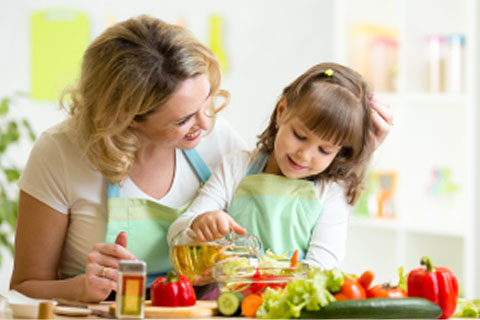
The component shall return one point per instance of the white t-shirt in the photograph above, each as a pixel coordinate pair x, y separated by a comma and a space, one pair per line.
60, 175
327, 245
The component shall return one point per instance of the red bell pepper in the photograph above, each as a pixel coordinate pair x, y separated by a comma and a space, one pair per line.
172, 291
436, 284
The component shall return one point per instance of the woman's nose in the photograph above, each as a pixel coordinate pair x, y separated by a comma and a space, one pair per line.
203, 120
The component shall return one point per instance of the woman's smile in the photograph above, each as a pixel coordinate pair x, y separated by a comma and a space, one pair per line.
193, 136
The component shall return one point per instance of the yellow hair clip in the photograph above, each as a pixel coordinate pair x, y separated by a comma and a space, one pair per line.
328, 72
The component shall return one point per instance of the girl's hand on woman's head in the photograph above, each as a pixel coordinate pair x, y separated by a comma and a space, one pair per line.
214, 225
101, 271
382, 117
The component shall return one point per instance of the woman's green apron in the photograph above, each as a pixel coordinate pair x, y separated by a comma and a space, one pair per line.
146, 222
281, 211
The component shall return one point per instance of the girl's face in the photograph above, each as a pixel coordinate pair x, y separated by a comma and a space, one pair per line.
298, 152
180, 121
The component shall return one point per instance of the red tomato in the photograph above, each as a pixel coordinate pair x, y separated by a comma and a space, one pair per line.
385, 290
351, 290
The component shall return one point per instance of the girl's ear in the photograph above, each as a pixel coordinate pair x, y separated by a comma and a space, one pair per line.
281, 110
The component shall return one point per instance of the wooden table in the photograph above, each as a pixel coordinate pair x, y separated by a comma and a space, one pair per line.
203, 309
6, 313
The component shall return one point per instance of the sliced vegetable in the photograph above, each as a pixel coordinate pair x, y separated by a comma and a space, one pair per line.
294, 259
385, 290
250, 305
262, 281
229, 303
351, 290
436, 284
377, 308
366, 279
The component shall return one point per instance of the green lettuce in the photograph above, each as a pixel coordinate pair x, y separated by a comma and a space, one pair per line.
467, 309
311, 294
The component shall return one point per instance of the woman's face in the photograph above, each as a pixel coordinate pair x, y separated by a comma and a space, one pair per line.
180, 121
298, 152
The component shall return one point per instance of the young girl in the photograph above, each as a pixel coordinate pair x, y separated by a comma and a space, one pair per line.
295, 189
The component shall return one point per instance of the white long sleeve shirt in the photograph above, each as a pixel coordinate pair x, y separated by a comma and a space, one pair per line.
327, 244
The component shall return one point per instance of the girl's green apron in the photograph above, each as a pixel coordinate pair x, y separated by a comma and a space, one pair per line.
146, 223
281, 211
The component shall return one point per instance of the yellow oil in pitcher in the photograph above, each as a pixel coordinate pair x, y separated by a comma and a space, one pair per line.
194, 260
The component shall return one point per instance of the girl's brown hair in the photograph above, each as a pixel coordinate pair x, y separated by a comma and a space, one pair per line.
128, 72
333, 102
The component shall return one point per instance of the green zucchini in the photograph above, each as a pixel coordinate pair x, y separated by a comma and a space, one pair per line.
377, 308
229, 303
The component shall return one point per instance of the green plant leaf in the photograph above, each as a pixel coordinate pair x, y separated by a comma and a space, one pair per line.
5, 241
12, 132
4, 106
12, 217
3, 142
27, 126
12, 174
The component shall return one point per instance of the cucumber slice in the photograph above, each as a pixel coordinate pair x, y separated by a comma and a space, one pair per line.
229, 303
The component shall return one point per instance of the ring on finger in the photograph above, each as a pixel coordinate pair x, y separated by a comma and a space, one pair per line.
103, 273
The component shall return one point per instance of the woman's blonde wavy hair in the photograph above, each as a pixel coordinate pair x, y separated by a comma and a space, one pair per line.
128, 72
333, 102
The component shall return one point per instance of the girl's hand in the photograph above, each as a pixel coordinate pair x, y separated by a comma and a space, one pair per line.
382, 117
214, 225
101, 271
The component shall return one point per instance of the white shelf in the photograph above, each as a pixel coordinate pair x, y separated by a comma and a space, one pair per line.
394, 225
432, 131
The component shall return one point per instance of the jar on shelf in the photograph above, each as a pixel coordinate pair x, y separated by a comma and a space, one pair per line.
435, 63
455, 63
192, 258
383, 63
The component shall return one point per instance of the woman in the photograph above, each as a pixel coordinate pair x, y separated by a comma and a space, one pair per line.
133, 146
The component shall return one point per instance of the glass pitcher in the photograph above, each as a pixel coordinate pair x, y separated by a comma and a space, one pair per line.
192, 258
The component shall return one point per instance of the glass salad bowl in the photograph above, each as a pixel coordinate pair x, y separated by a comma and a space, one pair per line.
252, 275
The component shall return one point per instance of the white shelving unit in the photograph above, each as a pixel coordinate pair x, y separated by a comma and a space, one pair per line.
433, 130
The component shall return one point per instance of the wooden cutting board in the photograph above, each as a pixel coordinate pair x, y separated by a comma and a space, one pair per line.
203, 309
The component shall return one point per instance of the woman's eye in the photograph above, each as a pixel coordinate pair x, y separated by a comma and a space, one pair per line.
183, 121
299, 137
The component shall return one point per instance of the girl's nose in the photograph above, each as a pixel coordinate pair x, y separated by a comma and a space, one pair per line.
303, 154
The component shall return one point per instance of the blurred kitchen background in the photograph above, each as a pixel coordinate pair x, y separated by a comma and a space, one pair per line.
422, 190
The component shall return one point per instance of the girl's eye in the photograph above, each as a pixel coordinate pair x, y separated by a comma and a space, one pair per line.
299, 137
325, 152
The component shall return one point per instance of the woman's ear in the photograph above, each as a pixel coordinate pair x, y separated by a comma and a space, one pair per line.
281, 110
133, 124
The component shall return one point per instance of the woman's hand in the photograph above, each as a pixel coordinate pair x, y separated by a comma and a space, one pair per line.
382, 117
101, 271
214, 225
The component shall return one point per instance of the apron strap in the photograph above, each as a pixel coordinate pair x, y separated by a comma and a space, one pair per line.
113, 190
258, 165
198, 164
